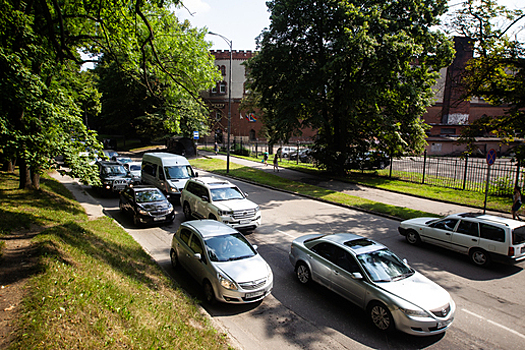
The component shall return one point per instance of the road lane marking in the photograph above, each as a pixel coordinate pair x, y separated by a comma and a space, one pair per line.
495, 324
289, 235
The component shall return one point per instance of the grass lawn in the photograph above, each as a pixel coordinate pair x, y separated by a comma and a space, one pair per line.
94, 286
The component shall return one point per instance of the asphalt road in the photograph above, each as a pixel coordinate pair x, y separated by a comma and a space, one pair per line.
490, 302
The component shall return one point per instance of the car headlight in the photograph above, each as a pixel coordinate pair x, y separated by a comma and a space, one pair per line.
142, 211
174, 189
414, 313
226, 283
257, 208
224, 212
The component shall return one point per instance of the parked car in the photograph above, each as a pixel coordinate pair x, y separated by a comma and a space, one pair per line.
484, 238
287, 151
133, 169
370, 160
367, 273
108, 154
217, 199
121, 159
305, 155
146, 204
223, 262
113, 176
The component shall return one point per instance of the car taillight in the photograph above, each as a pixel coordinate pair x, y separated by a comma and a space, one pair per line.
511, 251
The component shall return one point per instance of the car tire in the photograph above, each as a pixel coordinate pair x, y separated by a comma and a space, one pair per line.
187, 211
380, 316
413, 238
174, 259
479, 257
207, 290
303, 274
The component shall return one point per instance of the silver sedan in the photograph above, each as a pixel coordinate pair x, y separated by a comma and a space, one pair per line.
368, 274
221, 259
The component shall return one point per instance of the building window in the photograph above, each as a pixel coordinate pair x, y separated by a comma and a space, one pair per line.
252, 135
448, 131
222, 88
223, 70
214, 89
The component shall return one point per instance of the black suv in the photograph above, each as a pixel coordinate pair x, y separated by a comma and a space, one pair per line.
113, 175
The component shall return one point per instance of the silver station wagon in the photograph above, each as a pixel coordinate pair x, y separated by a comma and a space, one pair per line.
367, 273
219, 257
482, 237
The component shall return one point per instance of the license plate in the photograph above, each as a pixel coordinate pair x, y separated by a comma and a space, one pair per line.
254, 294
160, 218
242, 222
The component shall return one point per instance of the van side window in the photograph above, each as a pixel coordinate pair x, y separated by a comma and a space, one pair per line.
468, 228
492, 232
149, 168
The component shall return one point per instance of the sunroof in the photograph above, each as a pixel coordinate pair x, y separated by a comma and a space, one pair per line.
359, 243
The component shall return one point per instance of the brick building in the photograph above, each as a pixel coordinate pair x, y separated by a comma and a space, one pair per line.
447, 116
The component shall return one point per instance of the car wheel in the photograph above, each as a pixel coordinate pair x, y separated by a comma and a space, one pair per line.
174, 259
303, 273
381, 316
479, 257
187, 211
412, 237
209, 296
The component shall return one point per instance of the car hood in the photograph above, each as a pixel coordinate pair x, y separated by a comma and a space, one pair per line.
245, 270
235, 204
113, 177
418, 290
419, 221
154, 206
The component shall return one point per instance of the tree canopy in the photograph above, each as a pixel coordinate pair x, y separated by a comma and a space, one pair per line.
45, 98
497, 71
360, 72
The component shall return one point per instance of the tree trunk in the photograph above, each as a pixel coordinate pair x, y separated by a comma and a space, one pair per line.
35, 179
25, 175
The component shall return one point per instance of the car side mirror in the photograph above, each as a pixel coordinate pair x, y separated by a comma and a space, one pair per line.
196, 174
405, 261
205, 198
197, 256
357, 276
255, 246
245, 194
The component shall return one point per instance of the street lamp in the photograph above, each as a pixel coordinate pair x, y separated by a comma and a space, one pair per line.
229, 42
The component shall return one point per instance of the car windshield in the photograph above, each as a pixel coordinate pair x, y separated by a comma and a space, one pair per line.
225, 194
114, 170
134, 167
384, 266
178, 172
229, 248
146, 196
518, 235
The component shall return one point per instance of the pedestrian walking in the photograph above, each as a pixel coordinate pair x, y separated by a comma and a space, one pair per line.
216, 148
275, 163
265, 158
516, 203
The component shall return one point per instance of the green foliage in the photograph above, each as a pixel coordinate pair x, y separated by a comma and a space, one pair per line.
497, 71
358, 72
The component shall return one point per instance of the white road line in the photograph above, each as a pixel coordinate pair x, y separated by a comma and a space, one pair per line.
495, 324
284, 233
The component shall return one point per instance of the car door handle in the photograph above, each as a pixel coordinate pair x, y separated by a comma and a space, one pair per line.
474, 240
447, 233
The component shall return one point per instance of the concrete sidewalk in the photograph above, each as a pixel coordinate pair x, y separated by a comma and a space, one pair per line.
374, 194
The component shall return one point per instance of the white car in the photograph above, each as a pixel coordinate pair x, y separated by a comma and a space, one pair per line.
217, 199
482, 237
134, 169
223, 262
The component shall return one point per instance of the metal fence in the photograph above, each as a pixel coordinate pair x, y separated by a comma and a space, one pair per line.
460, 173
450, 172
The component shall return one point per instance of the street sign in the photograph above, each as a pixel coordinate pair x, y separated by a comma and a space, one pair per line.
491, 156
195, 135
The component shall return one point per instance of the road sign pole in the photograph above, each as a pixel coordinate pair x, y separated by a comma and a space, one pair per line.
486, 189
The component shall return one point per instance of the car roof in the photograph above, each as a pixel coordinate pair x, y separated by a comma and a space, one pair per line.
212, 181
210, 228
357, 244
489, 219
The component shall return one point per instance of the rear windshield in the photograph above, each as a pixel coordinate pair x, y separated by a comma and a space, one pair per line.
518, 235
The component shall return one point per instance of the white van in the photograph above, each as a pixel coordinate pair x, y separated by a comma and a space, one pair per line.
168, 172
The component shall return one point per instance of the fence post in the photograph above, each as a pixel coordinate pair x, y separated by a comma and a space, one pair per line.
424, 166
256, 156
465, 175
297, 152
391, 165
517, 181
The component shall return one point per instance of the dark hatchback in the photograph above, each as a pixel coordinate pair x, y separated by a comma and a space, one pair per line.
146, 204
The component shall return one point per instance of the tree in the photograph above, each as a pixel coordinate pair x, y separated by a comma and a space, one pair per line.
359, 72
42, 104
497, 71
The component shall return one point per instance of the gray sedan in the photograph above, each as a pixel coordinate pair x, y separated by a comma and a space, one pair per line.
368, 274
221, 259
